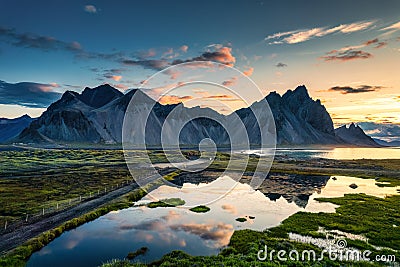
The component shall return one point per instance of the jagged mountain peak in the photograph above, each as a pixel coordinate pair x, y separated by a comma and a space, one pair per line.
100, 95
355, 135
25, 116
97, 115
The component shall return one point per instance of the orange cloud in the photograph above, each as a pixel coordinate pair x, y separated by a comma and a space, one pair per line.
232, 81
116, 77
230, 208
381, 44
219, 234
219, 96
346, 55
249, 71
121, 86
184, 48
370, 42
47, 87
174, 99
224, 55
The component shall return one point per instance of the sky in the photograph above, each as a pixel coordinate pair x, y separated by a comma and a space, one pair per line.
347, 53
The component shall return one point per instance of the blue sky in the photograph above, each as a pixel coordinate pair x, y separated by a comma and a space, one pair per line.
345, 52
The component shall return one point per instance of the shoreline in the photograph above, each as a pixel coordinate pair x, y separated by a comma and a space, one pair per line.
39, 232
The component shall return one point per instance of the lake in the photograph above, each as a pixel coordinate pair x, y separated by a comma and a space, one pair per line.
339, 153
162, 230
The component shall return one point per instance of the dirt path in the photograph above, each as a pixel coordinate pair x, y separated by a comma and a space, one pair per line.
8, 241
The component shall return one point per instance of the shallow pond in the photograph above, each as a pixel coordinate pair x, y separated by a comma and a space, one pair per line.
162, 230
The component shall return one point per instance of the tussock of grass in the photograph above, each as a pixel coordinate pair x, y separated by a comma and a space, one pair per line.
200, 209
140, 251
164, 203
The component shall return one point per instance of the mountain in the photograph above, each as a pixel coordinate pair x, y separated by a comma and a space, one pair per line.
355, 135
385, 143
298, 118
99, 96
388, 133
10, 128
96, 116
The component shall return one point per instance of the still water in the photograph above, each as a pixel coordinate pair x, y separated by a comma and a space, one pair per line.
162, 230
339, 153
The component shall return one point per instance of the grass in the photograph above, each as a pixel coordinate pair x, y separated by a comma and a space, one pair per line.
172, 175
358, 213
31, 180
165, 203
140, 251
21, 254
200, 209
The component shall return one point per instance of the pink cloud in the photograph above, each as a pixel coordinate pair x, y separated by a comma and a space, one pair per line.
174, 99
249, 71
232, 81
184, 48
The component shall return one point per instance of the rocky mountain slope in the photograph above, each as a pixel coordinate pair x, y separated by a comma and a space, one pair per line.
355, 135
10, 128
96, 116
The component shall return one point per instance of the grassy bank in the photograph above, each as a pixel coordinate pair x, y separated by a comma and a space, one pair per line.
21, 254
372, 217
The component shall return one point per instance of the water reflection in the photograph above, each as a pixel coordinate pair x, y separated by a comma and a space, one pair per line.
294, 188
165, 229
339, 153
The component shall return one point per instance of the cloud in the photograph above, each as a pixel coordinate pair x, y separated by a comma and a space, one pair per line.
370, 42
45, 43
221, 55
231, 82
174, 99
280, 65
249, 71
153, 225
217, 53
219, 233
380, 45
355, 90
146, 54
219, 97
346, 55
373, 42
299, 36
90, 9
230, 208
120, 86
184, 48
169, 51
353, 52
155, 64
114, 77
394, 26
28, 94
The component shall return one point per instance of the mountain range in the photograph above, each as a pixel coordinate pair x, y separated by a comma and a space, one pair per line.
11, 128
96, 116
